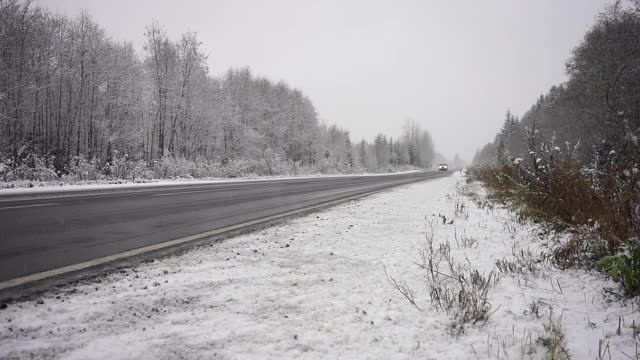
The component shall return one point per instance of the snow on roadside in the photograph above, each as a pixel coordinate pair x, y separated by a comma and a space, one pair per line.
316, 287
35, 187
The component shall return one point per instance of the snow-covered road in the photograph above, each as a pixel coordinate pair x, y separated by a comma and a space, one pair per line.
316, 287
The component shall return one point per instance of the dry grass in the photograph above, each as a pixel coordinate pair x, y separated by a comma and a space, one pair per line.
566, 195
459, 290
554, 339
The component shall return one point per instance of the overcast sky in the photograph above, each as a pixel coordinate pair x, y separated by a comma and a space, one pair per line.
453, 66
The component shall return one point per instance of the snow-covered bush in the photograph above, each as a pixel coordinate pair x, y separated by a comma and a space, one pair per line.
139, 170
601, 202
33, 168
243, 167
556, 188
4, 171
81, 169
122, 167
324, 166
174, 167
284, 167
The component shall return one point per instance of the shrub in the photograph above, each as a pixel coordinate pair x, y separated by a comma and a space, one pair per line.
581, 249
4, 170
33, 168
122, 167
624, 266
567, 194
81, 169
177, 167
601, 205
504, 181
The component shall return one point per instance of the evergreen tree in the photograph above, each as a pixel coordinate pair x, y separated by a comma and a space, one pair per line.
348, 152
362, 155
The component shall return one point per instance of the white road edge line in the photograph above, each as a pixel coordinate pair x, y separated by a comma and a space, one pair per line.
103, 260
185, 192
26, 206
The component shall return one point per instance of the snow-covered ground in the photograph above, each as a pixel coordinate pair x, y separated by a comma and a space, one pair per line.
35, 187
317, 287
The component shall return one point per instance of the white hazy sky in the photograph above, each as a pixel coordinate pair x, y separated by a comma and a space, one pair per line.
453, 66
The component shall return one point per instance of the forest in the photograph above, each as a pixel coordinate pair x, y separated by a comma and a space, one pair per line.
78, 105
573, 158
594, 116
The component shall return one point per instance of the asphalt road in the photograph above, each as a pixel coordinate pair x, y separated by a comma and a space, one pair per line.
49, 231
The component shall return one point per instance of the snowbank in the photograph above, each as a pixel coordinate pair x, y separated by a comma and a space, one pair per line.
316, 287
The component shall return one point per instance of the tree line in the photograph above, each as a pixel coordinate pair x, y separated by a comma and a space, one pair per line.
573, 159
593, 117
69, 93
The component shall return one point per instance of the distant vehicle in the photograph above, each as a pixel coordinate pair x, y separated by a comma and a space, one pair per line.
443, 167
